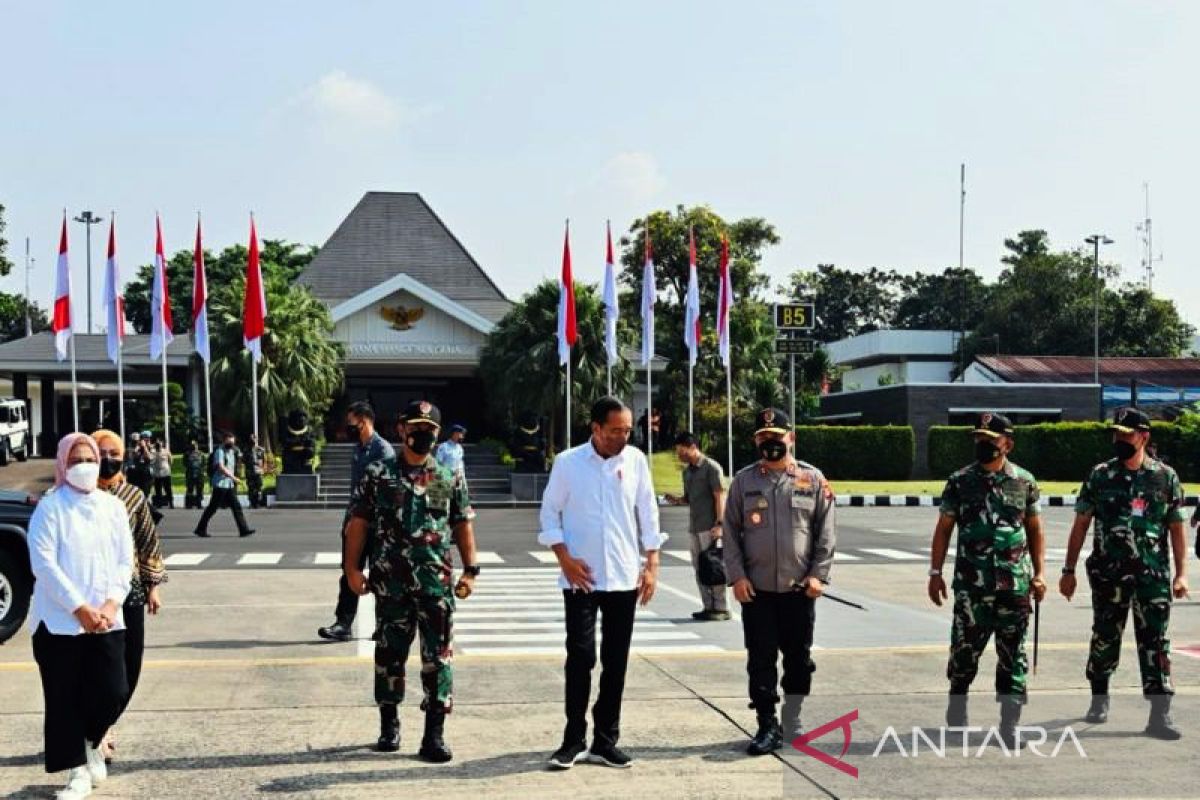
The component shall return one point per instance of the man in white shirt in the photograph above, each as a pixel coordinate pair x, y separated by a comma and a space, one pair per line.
598, 497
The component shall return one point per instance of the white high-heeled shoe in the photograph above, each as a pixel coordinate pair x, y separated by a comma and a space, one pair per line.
79, 785
95, 765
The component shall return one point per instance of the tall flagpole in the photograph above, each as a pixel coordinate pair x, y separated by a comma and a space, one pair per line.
649, 407
74, 383
121, 392
729, 409
568, 423
208, 404
254, 389
166, 397
691, 401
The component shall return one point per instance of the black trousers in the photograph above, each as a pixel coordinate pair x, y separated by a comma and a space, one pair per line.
83, 685
195, 493
163, 493
135, 648
227, 498
616, 610
347, 602
775, 623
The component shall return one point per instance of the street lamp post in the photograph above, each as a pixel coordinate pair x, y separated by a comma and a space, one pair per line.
1097, 239
89, 219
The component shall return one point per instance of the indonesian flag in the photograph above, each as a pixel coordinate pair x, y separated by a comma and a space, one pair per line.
200, 300
724, 302
648, 294
113, 301
62, 297
160, 302
691, 323
566, 304
254, 306
610, 303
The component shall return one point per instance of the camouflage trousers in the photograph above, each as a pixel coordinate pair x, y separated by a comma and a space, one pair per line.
399, 620
977, 617
1112, 597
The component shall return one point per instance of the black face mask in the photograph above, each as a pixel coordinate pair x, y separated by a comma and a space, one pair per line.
986, 451
354, 432
773, 450
109, 467
1124, 450
420, 442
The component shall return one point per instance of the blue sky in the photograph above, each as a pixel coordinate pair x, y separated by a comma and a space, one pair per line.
842, 123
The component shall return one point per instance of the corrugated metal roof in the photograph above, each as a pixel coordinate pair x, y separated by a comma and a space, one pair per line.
1176, 372
389, 233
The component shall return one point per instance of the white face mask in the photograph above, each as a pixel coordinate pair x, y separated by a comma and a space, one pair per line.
84, 476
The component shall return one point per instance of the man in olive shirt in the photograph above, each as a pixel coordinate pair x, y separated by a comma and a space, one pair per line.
779, 541
704, 495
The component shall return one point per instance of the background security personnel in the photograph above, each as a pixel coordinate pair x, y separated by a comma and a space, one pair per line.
779, 542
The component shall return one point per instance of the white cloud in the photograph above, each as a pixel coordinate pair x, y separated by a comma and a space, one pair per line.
635, 174
345, 103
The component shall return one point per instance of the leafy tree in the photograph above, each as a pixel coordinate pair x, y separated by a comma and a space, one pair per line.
519, 363
1136, 323
301, 366
278, 258
5, 265
848, 302
12, 317
951, 301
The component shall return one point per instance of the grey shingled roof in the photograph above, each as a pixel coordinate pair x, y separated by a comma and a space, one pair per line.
91, 352
389, 233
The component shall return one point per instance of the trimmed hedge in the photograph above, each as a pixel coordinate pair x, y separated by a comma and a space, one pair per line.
1062, 451
858, 452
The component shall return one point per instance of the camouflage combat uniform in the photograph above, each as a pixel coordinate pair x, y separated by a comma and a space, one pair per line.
254, 476
1130, 565
195, 463
413, 511
992, 573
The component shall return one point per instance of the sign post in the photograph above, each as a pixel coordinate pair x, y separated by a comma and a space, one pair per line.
791, 318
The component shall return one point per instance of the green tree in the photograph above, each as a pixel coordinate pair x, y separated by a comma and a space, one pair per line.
12, 317
950, 301
849, 302
519, 363
284, 260
301, 366
1136, 323
5, 265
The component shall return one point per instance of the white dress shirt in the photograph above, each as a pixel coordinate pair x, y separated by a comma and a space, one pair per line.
595, 506
450, 454
81, 552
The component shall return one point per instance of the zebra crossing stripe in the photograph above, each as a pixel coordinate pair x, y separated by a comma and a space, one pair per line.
488, 557
186, 559
328, 558
544, 556
682, 555
259, 559
895, 555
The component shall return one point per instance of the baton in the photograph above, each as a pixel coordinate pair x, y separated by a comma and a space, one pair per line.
837, 599
1037, 614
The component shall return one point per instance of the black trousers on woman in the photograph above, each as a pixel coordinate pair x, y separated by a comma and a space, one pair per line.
84, 688
616, 612
135, 647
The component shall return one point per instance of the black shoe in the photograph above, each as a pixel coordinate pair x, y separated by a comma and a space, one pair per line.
568, 755
1160, 725
433, 748
1098, 711
789, 718
768, 738
389, 729
1010, 715
338, 631
247, 532
956, 711
700, 616
609, 755
201, 534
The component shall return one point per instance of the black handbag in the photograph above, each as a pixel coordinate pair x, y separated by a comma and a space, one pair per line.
711, 566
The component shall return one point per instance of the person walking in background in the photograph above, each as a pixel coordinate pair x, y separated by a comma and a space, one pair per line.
149, 572
224, 488
81, 555
256, 467
194, 461
370, 447
160, 468
598, 507
450, 452
704, 495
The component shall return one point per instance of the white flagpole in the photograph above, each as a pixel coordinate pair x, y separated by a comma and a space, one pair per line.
166, 398
610, 380
729, 409
254, 390
649, 408
568, 423
121, 392
74, 384
691, 401
208, 404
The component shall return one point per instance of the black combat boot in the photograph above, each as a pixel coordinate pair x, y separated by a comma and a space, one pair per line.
1161, 726
1098, 711
389, 729
790, 724
1010, 716
768, 739
956, 711
433, 748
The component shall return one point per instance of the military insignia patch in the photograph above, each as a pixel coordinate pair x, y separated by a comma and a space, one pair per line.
762, 502
755, 518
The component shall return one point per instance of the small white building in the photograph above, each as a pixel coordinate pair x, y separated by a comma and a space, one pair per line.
893, 357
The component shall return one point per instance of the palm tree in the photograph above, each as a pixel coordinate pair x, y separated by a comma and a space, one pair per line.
301, 367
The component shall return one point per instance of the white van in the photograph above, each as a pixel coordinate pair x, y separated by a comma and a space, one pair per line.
14, 430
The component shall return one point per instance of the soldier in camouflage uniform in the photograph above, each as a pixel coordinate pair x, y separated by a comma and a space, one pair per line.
1136, 502
997, 567
195, 461
256, 466
418, 508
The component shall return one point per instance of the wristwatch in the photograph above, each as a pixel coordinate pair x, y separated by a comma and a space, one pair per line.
472, 570
935, 573
1068, 570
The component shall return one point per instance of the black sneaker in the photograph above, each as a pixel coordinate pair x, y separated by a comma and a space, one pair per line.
201, 534
718, 616
568, 756
609, 756
338, 631
247, 532
700, 616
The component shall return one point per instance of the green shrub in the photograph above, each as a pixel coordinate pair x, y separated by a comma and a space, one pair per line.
858, 452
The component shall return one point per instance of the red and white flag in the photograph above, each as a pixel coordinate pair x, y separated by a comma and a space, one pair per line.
691, 322
724, 302
160, 301
200, 300
611, 311
567, 332
114, 303
254, 306
648, 296
62, 297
